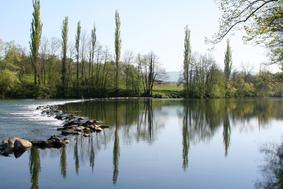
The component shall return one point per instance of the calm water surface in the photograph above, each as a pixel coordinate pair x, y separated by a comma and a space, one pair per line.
150, 144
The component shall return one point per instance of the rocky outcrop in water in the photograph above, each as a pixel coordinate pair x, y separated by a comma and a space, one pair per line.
72, 125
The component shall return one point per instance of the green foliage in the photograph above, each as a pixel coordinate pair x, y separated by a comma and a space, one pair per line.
77, 47
228, 62
36, 31
64, 55
244, 89
117, 45
262, 21
104, 74
264, 84
187, 61
8, 81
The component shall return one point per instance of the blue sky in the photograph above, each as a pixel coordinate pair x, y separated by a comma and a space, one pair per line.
147, 25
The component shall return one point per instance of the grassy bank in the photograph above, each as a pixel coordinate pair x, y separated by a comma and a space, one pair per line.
168, 90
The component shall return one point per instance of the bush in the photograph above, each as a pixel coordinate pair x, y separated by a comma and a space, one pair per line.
8, 82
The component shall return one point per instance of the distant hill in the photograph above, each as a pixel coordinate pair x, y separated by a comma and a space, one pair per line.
172, 77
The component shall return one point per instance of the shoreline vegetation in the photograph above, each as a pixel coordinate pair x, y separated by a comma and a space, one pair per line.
82, 68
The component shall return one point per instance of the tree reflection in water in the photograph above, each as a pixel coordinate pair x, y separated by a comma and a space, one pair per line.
34, 167
142, 120
186, 137
116, 148
226, 133
91, 153
76, 155
272, 170
63, 162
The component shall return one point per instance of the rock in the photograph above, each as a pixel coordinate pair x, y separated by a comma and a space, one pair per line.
60, 129
99, 122
53, 142
14, 145
69, 123
17, 143
70, 126
39, 107
104, 126
86, 122
70, 132
22, 144
40, 144
59, 116
66, 141
86, 135
79, 129
98, 129
87, 130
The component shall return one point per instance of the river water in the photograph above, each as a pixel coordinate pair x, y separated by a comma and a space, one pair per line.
150, 144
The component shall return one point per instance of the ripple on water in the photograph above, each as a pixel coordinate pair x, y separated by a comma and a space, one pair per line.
20, 118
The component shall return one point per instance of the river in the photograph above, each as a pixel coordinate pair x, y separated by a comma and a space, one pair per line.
150, 144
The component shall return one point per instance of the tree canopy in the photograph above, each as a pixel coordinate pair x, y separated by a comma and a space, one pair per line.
261, 19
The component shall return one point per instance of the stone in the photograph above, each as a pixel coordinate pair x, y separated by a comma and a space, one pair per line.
99, 122
53, 142
60, 128
40, 144
98, 129
70, 132
14, 145
87, 130
104, 126
66, 141
79, 129
22, 144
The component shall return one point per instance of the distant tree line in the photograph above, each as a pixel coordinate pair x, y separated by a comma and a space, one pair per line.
202, 78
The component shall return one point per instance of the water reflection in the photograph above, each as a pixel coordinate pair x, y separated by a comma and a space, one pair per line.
35, 167
116, 147
226, 133
142, 120
91, 153
272, 170
63, 162
76, 155
186, 136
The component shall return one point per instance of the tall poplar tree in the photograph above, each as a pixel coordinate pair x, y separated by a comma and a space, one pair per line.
117, 48
64, 53
228, 61
227, 65
92, 51
36, 30
77, 46
187, 60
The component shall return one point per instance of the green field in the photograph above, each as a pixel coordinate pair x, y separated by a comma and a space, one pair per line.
167, 90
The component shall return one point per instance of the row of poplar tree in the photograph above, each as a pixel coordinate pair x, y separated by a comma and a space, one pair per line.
87, 69
58, 68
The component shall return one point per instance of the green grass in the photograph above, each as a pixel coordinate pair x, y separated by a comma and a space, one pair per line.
167, 90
